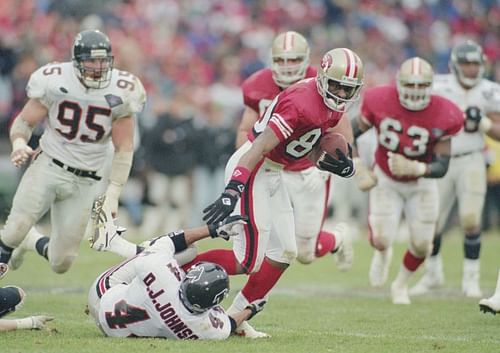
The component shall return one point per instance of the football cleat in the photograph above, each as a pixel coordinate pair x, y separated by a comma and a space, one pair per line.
490, 305
4, 268
344, 256
379, 268
246, 330
470, 279
399, 294
104, 228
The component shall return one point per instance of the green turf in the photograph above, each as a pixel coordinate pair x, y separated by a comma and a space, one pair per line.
314, 309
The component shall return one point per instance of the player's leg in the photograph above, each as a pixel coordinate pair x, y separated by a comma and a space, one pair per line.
32, 200
492, 304
471, 191
385, 209
433, 276
421, 212
69, 217
280, 251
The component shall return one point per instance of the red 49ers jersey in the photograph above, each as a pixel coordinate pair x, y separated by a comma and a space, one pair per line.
258, 92
410, 133
298, 117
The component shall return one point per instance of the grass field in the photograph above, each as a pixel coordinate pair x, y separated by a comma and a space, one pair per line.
314, 309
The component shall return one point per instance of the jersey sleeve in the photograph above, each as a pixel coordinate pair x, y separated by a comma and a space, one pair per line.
492, 105
284, 118
37, 87
133, 100
457, 120
218, 325
367, 113
248, 98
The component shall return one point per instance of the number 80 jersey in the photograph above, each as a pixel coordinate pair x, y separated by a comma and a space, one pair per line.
298, 118
80, 119
410, 133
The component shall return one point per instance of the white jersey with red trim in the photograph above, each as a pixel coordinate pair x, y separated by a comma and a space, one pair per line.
78, 129
143, 300
485, 95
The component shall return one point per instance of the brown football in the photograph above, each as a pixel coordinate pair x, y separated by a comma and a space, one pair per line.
329, 143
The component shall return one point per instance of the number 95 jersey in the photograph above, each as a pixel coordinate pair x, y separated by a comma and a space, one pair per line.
410, 133
80, 119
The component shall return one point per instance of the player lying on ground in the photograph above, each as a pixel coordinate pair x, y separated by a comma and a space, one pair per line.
149, 295
11, 298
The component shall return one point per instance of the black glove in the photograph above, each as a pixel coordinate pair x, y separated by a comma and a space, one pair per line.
222, 207
472, 118
256, 307
228, 227
343, 167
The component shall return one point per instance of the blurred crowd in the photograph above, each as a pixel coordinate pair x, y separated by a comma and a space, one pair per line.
192, 56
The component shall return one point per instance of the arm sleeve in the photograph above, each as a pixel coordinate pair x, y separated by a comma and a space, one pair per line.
284, 119
37, 87
133, 100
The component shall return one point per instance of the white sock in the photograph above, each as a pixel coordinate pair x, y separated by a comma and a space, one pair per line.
122, 247
403, 276
239, 303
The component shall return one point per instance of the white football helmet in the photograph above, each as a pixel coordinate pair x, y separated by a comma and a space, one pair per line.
466, 53
414, 83
340, 78
290, 58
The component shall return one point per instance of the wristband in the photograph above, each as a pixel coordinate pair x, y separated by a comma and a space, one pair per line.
241, 175
25, 324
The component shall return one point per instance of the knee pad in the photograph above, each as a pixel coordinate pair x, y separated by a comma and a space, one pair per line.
11, 298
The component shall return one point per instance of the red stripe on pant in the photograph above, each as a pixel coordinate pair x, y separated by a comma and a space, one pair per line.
251, 231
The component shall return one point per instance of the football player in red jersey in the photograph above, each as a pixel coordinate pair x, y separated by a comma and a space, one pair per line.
307, 185
413, 132
285, 134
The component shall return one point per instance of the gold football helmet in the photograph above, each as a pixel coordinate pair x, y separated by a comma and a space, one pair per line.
290, 57
340, 78
414, 83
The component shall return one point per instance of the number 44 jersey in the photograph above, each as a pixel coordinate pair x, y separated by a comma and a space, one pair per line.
79, 125
144, 300
410, 133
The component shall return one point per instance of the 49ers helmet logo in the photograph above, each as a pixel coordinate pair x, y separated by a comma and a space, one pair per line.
326, 62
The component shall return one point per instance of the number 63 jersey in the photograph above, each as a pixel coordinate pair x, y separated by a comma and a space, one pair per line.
79, 124
410, 133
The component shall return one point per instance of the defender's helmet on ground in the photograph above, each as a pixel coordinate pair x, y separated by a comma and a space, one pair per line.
290, 57
92, 58
206, 284
340, 78
414, 83
466, 53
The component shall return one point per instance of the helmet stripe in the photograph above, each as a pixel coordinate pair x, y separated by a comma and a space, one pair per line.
351, 69
415, 67
288, 41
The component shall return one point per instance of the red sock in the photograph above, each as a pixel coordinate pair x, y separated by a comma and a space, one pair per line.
325, 243
223, 257
261, 282
411, 262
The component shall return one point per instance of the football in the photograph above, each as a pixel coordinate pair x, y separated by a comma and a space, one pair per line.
329, 143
